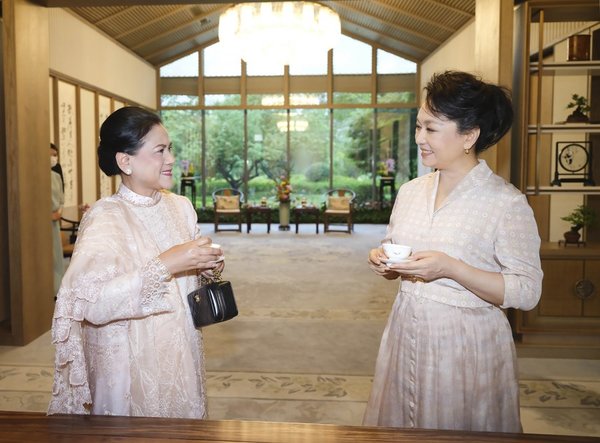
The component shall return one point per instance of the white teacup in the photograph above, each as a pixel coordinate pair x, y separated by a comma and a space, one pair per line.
217, 246
396, 252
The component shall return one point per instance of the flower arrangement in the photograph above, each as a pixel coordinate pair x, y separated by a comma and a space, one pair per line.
185, 167
386, 168
283, 188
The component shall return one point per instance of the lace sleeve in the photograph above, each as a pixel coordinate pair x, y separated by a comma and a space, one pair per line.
155, 276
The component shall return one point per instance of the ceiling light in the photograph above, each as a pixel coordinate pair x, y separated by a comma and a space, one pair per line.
279, 33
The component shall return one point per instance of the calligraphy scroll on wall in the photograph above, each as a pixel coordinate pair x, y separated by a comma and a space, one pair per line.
104, 110
67, 140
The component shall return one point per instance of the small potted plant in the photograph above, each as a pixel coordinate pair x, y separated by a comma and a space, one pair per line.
581, 107
582, 216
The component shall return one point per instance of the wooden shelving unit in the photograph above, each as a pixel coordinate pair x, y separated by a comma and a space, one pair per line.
564, 315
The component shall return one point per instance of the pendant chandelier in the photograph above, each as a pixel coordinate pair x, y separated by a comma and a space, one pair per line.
279, 33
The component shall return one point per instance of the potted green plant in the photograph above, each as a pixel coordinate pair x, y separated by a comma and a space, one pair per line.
582, 216
581, 107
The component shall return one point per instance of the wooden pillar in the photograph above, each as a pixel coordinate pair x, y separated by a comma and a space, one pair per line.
27, 274
494, 61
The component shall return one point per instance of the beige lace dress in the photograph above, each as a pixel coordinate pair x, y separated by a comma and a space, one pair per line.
125, 342
447, 358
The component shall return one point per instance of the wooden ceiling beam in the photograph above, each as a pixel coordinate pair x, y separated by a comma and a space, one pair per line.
178, 28
402, 42
92, 3
404, 11
450, 8
180, 42
150, 22
414, 32
115, 15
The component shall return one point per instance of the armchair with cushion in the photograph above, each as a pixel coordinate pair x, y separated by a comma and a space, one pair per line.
228, 204
339, 205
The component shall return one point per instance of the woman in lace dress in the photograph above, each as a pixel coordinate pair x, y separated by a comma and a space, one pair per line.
125, 342
447, 358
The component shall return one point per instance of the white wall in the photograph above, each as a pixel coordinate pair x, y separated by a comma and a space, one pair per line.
456, 53
81, 52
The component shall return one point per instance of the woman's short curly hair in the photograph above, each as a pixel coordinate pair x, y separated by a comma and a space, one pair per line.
123, 131
471, 103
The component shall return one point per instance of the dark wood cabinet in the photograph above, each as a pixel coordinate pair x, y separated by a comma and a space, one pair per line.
569, 309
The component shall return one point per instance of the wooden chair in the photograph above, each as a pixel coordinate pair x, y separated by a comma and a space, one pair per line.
228, 204
67, 246
339, 205
68, 233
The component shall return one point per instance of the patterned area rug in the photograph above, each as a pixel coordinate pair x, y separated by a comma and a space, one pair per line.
27, 388
303, 348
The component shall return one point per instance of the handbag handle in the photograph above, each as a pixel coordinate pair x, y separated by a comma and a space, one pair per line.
206, 280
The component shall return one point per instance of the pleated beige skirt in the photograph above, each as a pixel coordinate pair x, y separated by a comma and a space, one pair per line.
445, 367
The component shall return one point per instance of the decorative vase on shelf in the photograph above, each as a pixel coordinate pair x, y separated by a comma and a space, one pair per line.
284, 215
579, 47
573, 235
577, 117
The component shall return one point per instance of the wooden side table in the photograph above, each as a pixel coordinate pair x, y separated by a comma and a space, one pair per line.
387, 182
189, 182
250, 210
298, 211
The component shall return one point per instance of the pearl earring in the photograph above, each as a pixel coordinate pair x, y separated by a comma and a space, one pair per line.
467, 150
128, 171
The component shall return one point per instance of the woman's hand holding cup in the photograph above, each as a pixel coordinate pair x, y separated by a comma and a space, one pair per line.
199, 254
377, 264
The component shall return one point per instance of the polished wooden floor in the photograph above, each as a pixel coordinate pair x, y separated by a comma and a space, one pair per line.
25, 427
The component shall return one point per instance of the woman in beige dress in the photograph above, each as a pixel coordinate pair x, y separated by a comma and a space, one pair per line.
447, 358
125, 341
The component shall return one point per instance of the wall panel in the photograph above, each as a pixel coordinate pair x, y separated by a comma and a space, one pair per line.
89, 144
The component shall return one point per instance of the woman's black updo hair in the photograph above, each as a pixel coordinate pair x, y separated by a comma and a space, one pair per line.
471, 103
123, 131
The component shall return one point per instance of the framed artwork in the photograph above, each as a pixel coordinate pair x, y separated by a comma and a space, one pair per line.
573, 163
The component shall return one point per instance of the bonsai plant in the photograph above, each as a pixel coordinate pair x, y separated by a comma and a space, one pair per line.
582, 216
581, 107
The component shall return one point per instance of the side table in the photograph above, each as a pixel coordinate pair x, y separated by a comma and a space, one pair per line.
313, 211
387, 182
189, 182
250, 210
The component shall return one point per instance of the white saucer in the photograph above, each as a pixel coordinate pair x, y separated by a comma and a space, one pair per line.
391, 261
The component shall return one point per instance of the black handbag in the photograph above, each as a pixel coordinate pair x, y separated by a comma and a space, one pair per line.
213, 302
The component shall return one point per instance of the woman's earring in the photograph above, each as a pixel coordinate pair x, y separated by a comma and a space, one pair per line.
128, 171
467, 151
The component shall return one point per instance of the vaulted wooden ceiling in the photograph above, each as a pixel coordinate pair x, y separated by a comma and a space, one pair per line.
161, 31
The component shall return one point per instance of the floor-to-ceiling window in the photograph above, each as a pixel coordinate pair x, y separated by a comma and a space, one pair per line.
314, 123
267, 155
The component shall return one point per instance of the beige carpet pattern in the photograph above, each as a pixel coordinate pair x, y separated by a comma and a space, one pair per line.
304, 345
